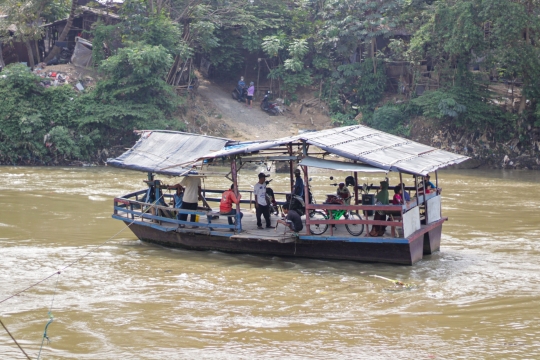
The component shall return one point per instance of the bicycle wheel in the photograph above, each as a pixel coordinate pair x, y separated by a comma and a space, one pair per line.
355, 229
318, 229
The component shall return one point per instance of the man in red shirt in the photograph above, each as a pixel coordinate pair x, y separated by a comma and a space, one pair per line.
228, 198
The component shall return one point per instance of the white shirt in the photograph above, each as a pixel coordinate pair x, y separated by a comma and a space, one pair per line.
191, 191
260, 191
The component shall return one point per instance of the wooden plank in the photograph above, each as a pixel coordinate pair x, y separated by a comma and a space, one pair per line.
122, 201
368, 222
354, 207
175, 221
369, 240
149, 224
426, 228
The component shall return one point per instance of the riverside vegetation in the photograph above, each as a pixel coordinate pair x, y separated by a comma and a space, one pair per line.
330, 45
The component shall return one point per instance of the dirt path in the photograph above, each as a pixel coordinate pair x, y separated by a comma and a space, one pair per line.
245, 122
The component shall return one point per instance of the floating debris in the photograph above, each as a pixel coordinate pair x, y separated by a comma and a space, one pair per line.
396, 282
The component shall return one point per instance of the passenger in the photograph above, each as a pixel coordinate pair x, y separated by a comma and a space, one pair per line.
406, 194
192, 195
397, 199
299, 184
428, 183
226, 205
344, 193
261, 205
250, 93
293, 220
382, 198
178, 196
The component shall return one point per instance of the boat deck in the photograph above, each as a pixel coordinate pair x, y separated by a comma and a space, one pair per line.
249, 228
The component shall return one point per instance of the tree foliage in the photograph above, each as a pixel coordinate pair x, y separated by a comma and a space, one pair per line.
343, 47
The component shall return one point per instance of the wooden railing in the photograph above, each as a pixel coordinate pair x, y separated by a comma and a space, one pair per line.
361, 209
126, 209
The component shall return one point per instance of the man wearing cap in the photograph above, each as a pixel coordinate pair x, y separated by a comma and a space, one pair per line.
261, 205
299, 184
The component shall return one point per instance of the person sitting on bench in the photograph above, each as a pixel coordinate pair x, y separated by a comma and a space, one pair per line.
178, 196
228, 198
293, 220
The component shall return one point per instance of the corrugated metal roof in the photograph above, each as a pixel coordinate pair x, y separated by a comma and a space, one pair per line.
172, 153
384, 150
338, 165
367, 145
167, 152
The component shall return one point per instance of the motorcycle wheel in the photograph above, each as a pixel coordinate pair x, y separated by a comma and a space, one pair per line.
355, 229
234, 95
318, 229
262, 107
274, 112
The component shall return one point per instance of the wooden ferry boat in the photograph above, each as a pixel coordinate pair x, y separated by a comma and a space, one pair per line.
415, 227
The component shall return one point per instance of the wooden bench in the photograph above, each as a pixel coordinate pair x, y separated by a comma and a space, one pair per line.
214, 215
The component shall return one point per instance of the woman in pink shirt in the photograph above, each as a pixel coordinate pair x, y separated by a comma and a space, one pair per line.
250, 92
397, 199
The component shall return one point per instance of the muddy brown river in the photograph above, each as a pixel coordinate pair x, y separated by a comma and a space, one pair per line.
478, 298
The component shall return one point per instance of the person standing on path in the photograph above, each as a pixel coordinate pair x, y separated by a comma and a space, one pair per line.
192, 195
250, 92
261, 205
241, 83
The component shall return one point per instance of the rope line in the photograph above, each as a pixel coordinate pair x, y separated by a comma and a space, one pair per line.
80, 258
51, 319
24, 352
58, 272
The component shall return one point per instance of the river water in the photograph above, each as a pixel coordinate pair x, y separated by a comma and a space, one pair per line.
478, 298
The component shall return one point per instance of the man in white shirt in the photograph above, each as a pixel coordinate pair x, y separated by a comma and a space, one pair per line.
261, 205
192, 195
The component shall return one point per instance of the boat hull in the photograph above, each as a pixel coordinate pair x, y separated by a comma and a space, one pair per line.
387, 250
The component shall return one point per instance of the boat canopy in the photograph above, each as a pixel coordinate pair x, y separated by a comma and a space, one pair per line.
168, 152
365, 145
338, 165
173, 153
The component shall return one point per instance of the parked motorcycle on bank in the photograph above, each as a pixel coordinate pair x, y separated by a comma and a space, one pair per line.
239, 94
270, 107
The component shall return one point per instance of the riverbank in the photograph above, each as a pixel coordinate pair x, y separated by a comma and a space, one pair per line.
483, 150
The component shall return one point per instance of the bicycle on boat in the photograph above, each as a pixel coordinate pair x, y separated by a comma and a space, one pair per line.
319, 229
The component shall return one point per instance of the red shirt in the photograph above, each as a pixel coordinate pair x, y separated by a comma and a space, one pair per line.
397, 200
227, 199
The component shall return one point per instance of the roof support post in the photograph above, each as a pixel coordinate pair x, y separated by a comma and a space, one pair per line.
236, 193
291, 170
306, 195
425, 202
402, 186
304, 149
416, 190
356, 202
436, 180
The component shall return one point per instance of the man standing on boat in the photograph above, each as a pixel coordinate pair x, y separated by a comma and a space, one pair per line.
192, 195
261, 205
299, 184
